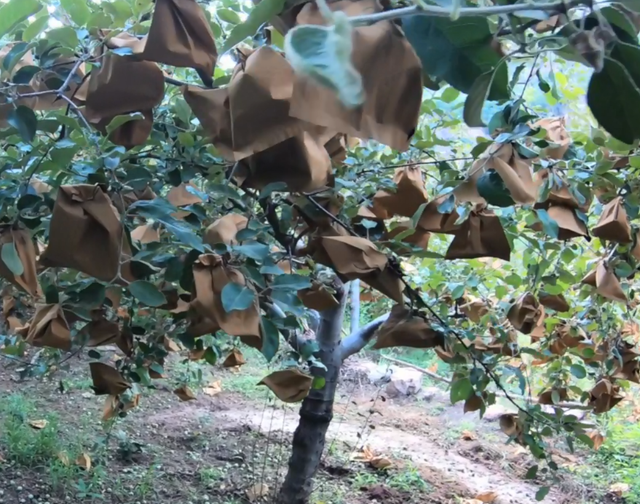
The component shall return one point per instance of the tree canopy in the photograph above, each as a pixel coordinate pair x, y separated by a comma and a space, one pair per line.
181, 174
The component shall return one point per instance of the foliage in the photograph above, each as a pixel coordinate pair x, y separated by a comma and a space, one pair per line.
157, 197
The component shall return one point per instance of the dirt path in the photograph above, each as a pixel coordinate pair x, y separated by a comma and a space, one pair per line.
420, 449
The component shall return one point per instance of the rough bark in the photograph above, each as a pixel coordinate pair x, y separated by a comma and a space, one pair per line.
316, 412
354, 292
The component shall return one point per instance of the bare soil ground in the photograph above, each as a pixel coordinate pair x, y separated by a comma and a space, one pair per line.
232, 447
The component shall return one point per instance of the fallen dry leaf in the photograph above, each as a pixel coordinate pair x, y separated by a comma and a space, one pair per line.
213, 388
597, 439
380, 462
257, 491
185, 393
469, 436
64, 458
472, 501
619, 488
369, 457
38, 424
487, 497
84, 461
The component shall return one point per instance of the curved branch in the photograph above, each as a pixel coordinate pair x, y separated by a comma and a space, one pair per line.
435, 11
357, 340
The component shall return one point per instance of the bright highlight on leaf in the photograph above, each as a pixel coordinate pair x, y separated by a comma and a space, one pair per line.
323, 53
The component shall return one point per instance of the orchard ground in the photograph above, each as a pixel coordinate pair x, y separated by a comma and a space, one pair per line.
233, 446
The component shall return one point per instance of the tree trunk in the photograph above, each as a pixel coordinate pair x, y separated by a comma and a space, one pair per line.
316, 412
354, 292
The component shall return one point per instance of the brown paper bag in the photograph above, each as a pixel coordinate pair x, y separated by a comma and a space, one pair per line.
129, 198
404, 328
260, 94
210, 276
604, 396
211, 107
559, 193
49, 328
481, 235
410, 193
473, 308
129, 134
301, 162
235, 358
101, 332
122, 85
546, 397
107, 380
515, 173
569, 224
556, 302
354, 257
85, 234
289, 385
146, 233
419, 238
557, 134
225, 229
435, 222
391, 75
613, 224
180, 36
317, 297
606, 283
179, 196
524, 313
26, 252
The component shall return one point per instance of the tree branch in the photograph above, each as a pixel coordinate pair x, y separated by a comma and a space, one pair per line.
435, 11
356, 341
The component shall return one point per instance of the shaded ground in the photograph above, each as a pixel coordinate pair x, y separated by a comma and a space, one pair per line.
232, 447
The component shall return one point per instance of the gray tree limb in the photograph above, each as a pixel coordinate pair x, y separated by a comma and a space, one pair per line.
356, 341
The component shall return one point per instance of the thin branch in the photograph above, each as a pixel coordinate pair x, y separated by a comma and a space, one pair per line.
357, 340
529, 399
330, 215
176, 82
435, 11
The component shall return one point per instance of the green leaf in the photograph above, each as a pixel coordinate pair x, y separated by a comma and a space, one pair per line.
291, 282
236, 297
628, 55
542, 493
461, 390
24, 120
549, 226
578, 371
11, 258
532, 472
229, 16
14, 55
119, 120
457, 51
260, 14
25, 74
472, 112
323, 53
449, 95
253, 250
493, 189
35, 28
614, 99
16, 11
78, 11
147, 293
270, 339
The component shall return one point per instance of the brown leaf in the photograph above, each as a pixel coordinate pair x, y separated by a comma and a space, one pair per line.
257, 492
619, 488
64, 458
170, 345
235, 358
487, 497
380, 462
185, 393
38, 424
289, 385
84, 461
597, 439
468, 436
213, 388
